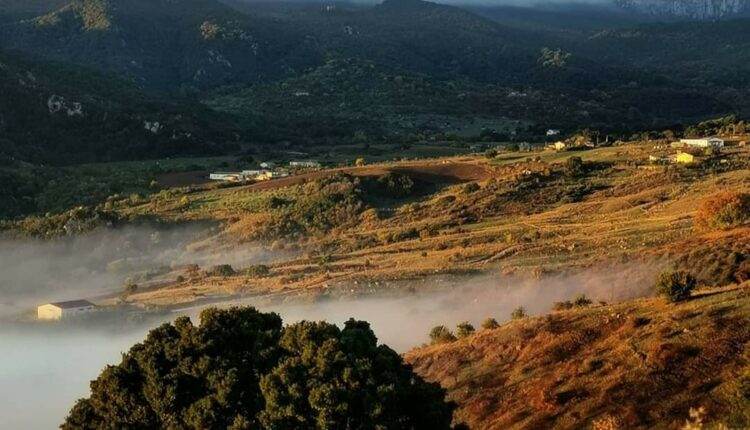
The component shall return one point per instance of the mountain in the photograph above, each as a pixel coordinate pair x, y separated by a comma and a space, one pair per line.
687, 9
402, 67
57, 113
170, 46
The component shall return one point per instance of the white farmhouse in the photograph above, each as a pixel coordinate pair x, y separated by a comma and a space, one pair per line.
553, 132
708, 142
304, 164
225, 176
60, 310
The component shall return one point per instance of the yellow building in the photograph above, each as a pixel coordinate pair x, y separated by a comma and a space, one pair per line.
60, 310
684, 158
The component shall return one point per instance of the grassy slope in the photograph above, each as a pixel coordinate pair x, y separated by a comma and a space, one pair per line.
642, 363
611, 215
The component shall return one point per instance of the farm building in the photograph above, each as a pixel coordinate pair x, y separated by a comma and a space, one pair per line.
267, 165
553, 132
60, 310
560, 145
225, 176
684, 158
709, 142
304, 164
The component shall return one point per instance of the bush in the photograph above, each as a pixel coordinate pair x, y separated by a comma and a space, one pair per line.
562, 306
130, 288
518, 313
490, 324
471, 187
581, 301
441, 334
464, 329
574, 166
241, 369
258, 271
725, 210
675, 286
221, 270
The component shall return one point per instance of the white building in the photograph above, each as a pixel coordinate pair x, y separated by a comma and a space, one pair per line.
269, 175
304, 164
225, 176
267, 165
553, 132
707, 142
60, 310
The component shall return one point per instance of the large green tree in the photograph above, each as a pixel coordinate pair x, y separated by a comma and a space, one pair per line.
240, 369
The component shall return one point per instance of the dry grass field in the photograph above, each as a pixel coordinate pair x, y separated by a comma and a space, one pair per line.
643, 364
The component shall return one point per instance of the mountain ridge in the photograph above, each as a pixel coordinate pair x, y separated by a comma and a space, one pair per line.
688, 9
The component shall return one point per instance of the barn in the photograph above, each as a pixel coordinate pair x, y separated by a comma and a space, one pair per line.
60, 310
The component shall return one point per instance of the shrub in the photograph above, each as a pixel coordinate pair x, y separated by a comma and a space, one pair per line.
490, 324
471, 187
258, 271
574, 166
675, 286
562, 306
723, 211
581, 301
441, 334
464, 329
221, 270
130, 288
518, 313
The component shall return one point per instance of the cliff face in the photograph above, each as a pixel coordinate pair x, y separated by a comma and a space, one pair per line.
690, 9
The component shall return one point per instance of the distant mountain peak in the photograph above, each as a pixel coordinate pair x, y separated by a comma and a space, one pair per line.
687, 9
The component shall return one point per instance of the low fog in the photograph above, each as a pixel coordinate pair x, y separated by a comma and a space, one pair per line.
47, 367
403, 321
97, 264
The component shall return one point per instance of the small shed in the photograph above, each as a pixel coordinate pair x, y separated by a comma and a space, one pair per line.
684, 158
60, 310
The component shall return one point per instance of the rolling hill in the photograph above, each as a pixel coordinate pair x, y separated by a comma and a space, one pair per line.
642, 364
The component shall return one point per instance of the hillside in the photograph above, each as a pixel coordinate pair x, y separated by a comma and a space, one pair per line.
642, 364
56, 113
538, 215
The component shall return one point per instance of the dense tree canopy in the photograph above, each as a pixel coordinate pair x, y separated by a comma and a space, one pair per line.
240, 369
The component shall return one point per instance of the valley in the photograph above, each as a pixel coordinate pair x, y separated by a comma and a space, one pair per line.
250, 214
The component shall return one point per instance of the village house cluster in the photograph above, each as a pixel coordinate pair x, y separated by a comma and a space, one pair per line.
689, 151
